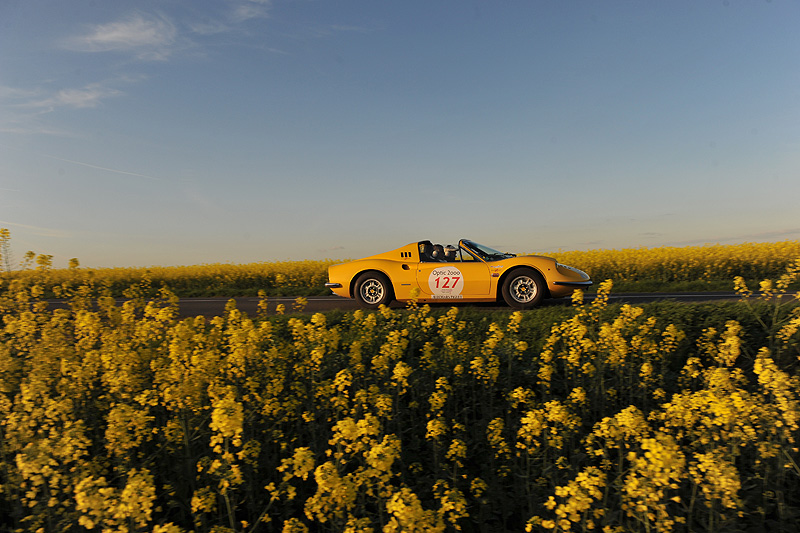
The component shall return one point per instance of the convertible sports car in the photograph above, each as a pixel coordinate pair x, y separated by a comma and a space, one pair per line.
469, 272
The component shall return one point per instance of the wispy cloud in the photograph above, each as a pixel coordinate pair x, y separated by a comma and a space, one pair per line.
37, 230
15, 93
236, 13
250, 9
106, 169
88, 165
26, 107
88, 96
13, 120
155, 37
147, 36
29, 126
143, 35
211, 27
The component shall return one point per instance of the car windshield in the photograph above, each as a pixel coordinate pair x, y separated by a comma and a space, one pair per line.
486, 253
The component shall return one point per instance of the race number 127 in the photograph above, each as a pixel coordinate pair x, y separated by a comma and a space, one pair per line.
447, 282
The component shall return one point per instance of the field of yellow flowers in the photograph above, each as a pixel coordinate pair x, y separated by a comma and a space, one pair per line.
280, 278
662, 269
609, 418
692, 267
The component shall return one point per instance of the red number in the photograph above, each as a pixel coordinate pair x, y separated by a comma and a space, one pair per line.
447, 280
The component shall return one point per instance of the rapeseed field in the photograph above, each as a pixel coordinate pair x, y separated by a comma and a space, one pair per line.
710, 267
613, 418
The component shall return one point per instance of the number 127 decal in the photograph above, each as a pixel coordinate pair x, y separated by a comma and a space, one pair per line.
447, 281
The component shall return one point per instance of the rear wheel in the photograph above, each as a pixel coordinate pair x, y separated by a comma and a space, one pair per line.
373, 289
523, 289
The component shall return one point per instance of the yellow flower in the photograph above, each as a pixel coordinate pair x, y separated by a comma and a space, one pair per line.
408, 516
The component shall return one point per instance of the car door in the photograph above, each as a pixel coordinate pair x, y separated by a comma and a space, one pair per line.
453, 280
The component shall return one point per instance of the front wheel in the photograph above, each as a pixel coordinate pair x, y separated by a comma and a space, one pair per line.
523, 289
373, 289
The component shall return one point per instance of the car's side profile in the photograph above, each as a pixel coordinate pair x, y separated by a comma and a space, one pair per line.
469, 272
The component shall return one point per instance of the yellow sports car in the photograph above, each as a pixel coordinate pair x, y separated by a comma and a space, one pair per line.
469, 272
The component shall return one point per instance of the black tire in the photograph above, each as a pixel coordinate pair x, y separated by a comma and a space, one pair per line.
523, 288
373, 289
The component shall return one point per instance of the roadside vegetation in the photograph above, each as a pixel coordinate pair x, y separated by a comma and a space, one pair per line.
666, 417
688, 268
662, 269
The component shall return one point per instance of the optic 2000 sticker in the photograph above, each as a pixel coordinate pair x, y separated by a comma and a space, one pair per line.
446, 282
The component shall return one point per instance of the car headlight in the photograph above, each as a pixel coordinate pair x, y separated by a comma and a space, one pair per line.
581, 273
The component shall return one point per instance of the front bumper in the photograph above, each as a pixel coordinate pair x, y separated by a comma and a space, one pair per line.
577, 284
330, 285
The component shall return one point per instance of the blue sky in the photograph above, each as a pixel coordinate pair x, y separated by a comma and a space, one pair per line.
178, 132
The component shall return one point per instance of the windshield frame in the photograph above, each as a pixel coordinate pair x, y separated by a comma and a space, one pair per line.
483, 252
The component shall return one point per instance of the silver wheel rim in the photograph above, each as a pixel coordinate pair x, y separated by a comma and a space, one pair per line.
523, 289
372, 291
